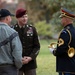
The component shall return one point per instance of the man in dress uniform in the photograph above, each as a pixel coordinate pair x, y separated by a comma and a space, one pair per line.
29, 38
65, 51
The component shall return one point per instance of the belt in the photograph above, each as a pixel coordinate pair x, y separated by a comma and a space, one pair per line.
6, 65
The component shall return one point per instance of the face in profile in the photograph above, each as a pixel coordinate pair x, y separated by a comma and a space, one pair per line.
63, 20
23, 20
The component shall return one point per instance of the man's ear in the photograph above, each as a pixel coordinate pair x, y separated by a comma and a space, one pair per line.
7, 18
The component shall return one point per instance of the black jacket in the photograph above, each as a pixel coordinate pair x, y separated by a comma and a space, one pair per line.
64, 63
30, 43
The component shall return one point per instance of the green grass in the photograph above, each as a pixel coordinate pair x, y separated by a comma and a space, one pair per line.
46, 62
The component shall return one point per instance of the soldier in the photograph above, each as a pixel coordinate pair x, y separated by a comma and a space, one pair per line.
30, 42
65, 57
10, 46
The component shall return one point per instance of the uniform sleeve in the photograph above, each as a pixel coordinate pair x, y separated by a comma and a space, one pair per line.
62, 47
17, 51
36, 45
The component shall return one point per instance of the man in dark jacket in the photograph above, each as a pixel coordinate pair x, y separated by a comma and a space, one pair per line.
65, 51
29, 38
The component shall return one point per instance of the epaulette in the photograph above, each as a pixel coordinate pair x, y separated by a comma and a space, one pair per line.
64, 31
30, 25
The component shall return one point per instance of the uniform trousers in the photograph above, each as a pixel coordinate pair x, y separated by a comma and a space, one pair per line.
66, 73
8, 70
29, 72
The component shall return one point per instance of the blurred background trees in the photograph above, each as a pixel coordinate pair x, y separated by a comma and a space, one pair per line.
44, 14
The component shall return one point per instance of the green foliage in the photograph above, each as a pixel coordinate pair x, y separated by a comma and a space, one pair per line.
44, 30
14, 21
56, 21
47, 11
43, 9
46, 62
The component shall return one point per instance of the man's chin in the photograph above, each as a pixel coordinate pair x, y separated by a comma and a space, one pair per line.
25, 23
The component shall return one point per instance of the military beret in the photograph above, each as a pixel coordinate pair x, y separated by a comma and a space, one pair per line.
67, 13
20, 12
4, 13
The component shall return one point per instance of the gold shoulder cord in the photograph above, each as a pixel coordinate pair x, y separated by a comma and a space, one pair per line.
60, 33
70, 37
71, 50
61, 42
69, 34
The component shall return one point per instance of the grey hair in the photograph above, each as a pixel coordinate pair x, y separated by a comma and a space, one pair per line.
2, 18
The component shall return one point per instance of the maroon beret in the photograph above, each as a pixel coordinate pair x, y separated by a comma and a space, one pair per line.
20, 12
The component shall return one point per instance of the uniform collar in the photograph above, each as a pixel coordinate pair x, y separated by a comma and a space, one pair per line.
68, 26
17, 25
26, 25
21, 26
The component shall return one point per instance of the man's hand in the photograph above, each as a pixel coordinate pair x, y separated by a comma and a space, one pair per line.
29, 59
26, 59
51, 50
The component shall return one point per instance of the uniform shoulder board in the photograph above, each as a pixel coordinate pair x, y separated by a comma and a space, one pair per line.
68, 31
64, 31
30, 25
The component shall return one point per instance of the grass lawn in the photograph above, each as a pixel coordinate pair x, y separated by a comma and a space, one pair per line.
46, 62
